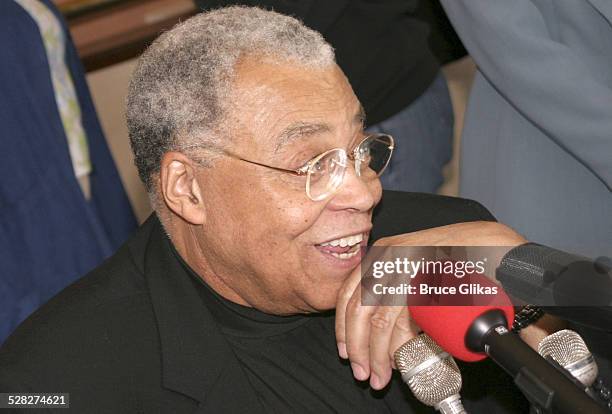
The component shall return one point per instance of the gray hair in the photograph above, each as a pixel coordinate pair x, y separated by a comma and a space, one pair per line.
176, 94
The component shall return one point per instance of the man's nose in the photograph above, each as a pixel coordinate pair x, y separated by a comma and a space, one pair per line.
356, 193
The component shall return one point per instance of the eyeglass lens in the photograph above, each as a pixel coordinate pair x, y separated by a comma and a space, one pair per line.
326, 172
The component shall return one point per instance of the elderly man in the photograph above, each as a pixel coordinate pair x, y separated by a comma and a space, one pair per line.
250, 141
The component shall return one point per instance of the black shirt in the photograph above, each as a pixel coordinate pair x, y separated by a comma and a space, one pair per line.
291, 362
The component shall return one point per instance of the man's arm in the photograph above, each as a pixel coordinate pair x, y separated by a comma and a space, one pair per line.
401, 212
546, 81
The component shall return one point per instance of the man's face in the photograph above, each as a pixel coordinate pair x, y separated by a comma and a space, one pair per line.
264, 239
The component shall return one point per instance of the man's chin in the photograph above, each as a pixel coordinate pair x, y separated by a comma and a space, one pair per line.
323, 307
325, 297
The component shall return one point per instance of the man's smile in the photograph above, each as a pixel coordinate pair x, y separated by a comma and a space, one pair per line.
344, 248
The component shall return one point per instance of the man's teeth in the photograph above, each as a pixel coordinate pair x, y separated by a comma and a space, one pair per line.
345, 255
345, 241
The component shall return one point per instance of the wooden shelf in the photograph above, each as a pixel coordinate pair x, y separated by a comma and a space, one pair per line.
110, 31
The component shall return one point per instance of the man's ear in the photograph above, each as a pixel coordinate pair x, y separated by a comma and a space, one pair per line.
180, 188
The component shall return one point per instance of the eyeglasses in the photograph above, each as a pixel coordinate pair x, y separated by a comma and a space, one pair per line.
325, 172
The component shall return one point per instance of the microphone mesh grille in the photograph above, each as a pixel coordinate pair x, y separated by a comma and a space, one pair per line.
565, 347
434, 383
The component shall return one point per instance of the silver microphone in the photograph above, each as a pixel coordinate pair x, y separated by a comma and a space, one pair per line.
431, 373
568, 349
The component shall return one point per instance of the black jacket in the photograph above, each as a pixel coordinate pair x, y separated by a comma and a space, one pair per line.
131, 338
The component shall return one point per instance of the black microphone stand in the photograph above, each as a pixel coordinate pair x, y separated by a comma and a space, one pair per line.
547, 389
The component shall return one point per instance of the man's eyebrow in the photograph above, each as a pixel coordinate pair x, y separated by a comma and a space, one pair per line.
299, 130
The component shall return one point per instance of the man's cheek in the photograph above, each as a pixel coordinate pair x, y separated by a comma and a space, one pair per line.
299, 220
376, 189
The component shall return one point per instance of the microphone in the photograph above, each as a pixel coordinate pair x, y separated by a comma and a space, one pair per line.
571, 287
448, 325
568, 349
431, 373
469, 333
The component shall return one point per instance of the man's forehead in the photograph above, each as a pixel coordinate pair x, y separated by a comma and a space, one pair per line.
291, 102
290, 83
300, 130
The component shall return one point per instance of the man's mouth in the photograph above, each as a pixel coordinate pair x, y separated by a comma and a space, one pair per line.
344, 247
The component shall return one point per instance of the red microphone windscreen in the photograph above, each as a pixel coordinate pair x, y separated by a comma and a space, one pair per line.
448, 325
448, 320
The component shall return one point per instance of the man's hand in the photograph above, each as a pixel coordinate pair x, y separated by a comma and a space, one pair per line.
369, 335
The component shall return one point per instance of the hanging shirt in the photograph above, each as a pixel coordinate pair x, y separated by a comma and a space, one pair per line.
63, 87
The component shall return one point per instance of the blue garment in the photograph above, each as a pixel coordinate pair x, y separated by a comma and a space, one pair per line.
423, 134
49, 233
